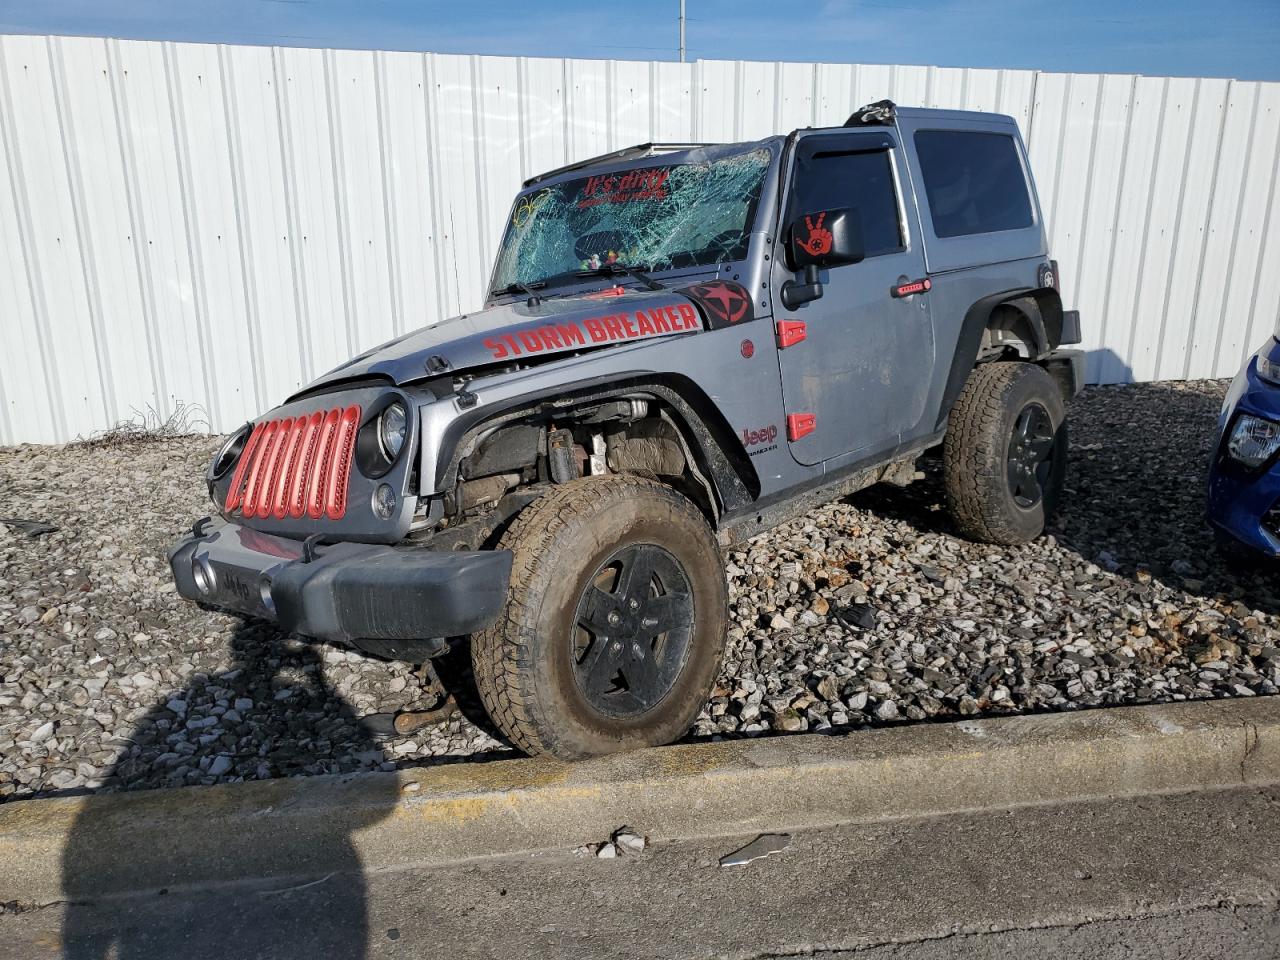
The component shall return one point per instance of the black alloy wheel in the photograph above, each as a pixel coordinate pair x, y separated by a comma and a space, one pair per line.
632, 630
1029, 462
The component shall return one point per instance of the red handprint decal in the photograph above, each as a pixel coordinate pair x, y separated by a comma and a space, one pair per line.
819, 240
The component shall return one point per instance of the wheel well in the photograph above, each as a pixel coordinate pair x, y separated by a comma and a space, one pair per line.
1026, 326
503, 462
1014, 324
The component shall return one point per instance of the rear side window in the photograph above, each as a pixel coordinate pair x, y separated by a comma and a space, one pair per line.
828, 181
974, 182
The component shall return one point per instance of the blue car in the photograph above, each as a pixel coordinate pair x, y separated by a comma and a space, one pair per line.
1244, 479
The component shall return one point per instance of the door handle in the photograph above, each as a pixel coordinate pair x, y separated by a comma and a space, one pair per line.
907, 288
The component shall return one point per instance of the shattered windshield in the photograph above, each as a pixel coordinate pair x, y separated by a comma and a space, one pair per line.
651, 217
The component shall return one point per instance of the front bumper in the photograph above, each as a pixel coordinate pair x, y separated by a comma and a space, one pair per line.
395, 602
1239, 500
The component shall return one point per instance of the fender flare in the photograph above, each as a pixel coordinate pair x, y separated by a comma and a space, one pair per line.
726, 465
975, 323
1028, 310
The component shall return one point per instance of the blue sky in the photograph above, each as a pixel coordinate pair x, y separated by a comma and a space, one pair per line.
1229, 38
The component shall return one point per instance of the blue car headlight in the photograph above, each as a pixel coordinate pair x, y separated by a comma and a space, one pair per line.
1253, 441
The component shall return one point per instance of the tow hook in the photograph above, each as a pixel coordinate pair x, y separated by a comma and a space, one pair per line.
309, 546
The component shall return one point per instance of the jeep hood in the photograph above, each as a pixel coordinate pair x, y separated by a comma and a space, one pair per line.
518, 333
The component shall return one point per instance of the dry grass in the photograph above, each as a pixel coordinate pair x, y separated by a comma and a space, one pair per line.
148, 426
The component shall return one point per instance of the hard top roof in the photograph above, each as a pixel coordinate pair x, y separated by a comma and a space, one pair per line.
883, 113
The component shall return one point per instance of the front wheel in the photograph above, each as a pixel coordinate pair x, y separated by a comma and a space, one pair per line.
1005, 453
615, 620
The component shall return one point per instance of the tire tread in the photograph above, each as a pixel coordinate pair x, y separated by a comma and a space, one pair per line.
974, 454
503, 654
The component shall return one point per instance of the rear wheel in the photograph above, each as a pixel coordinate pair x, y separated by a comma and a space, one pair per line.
615, 620
1005, 453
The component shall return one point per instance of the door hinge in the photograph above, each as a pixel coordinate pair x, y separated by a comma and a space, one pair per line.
801, 425
790, 332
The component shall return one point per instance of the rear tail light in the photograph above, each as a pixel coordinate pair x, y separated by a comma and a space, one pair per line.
296, 466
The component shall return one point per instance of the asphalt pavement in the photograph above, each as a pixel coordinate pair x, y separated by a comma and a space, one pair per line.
1191, 875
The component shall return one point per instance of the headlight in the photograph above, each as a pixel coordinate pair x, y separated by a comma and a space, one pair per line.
230, 453
393, 427
1253, 441
1268, 369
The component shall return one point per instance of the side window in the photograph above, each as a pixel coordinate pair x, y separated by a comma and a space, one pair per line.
974, 182
827, 181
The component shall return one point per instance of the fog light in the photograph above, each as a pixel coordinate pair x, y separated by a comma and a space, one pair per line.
384, 501
1253, 441
202, 573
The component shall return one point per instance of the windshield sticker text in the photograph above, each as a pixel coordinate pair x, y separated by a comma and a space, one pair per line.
610, 328
526, 207
625, 188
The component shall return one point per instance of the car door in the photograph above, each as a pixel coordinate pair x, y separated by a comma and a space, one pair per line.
855, 363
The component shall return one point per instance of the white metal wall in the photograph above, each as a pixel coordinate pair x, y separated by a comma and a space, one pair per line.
214, 225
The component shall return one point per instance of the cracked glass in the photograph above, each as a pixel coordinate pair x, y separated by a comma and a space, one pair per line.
654, 217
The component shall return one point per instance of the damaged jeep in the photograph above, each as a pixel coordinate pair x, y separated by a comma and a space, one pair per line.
683, 345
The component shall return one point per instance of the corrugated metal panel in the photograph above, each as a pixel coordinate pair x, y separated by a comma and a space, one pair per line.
214, 225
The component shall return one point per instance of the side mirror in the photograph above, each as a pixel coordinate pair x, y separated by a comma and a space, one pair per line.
825, 238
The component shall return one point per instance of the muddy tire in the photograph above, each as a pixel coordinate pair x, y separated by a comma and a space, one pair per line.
1005, 453
615, 620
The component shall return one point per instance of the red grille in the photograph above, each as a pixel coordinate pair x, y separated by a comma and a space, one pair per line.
296, 466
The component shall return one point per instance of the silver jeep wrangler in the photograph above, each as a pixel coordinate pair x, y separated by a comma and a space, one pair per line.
683, 345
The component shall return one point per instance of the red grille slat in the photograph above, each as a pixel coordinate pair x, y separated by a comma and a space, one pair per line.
289, 467
335, 500
297, 466
258, 468
261, 506
324, 460
246, 456
310, 439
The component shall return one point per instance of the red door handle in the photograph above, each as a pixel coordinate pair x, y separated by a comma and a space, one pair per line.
906, 288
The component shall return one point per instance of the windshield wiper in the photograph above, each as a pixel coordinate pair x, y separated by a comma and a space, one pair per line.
604, 270
614, 269
517, 287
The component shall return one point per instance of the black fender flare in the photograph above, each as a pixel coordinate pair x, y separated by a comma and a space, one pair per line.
723, 460
1030, 324
1036, 307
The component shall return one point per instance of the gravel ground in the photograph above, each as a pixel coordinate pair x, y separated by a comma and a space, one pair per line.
108, 679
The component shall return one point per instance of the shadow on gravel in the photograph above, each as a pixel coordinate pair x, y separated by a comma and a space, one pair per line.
454, 671
300, 915
1134, 502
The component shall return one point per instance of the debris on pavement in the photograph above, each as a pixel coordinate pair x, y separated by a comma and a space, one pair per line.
630, 842
411, 721
622, 841
32, 528
762, 846
860, 615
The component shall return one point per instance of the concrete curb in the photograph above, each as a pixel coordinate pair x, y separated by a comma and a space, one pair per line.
120, 843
